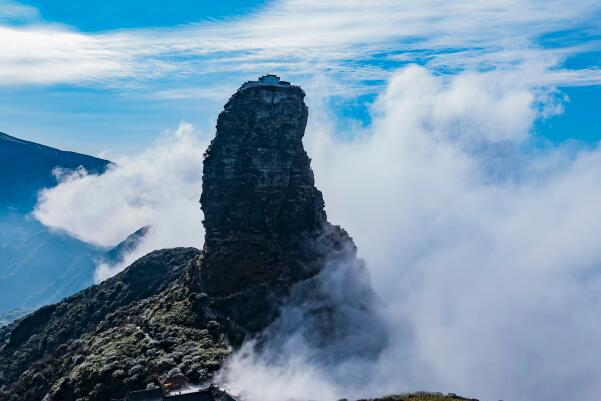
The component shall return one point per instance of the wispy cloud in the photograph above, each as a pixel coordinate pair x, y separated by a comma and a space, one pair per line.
349, 41
45, 55
159, 188
13, 12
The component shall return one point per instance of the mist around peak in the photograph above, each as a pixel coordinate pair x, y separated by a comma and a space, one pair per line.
480, 242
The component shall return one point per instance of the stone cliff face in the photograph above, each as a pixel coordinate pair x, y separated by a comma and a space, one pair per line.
182, 311
266, 227
257, 182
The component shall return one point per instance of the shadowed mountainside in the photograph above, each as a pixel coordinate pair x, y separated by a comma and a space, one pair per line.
38, 265
26, 167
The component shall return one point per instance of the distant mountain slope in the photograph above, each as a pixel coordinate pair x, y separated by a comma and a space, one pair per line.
44, 266
26, 167
126, 246
38, 265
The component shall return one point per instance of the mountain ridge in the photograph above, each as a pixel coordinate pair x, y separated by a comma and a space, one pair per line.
40, 265
26, 167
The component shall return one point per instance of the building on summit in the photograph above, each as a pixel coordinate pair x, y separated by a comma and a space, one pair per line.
266, 80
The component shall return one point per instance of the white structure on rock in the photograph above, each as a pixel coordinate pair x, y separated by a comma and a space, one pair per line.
266, 80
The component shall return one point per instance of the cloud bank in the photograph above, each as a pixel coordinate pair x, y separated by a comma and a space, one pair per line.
484, 247
483, 243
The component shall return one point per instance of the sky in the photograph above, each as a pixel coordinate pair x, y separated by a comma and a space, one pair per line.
109, 77
457, 142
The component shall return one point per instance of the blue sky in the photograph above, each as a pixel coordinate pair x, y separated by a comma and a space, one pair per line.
92, 118
94, 16
111, 76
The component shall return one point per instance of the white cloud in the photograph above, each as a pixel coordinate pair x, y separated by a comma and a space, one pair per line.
46, 54
485, 251
11, 11
160, 187
351, 41
470, 107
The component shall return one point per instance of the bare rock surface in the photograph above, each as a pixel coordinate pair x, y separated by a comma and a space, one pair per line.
266, 228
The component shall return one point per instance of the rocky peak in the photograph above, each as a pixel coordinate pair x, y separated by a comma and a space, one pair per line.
266, 227
257, 179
